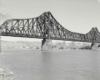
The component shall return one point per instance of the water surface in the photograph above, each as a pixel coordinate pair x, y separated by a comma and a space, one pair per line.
53, 65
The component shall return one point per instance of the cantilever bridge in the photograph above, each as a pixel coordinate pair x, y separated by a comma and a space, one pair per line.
45, 26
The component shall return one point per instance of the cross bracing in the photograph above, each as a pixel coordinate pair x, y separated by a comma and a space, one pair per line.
45, 26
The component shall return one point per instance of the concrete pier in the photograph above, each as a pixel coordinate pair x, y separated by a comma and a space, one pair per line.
46, 45
95, 46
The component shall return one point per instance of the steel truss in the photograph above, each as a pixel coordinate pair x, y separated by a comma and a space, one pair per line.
45, 26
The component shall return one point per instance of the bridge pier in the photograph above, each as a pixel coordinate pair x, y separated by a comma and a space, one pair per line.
46, 45
95, 45
92, 44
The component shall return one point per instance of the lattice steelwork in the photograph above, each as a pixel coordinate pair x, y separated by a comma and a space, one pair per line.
45, 26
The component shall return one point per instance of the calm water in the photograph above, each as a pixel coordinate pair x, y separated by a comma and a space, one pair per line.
55, 65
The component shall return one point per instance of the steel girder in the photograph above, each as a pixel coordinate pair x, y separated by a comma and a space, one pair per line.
45, 26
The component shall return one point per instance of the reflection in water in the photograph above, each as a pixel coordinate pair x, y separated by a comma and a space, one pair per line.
46, 61
55, 65
95, 64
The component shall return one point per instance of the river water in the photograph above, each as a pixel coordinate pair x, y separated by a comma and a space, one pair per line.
53, 65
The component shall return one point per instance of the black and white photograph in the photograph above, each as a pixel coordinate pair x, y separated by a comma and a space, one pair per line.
49, 39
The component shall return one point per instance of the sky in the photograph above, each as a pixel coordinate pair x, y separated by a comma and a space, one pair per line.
75, 15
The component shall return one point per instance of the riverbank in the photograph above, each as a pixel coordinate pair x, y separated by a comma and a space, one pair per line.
22, 45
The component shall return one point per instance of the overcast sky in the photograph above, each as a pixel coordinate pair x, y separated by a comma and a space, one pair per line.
75, 15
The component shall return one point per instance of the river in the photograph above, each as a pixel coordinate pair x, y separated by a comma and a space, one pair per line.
52, 65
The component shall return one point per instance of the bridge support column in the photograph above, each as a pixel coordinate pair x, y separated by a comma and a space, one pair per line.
46, 45
95, 45
92, 44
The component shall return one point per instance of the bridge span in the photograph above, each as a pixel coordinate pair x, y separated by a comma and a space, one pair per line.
44, 27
